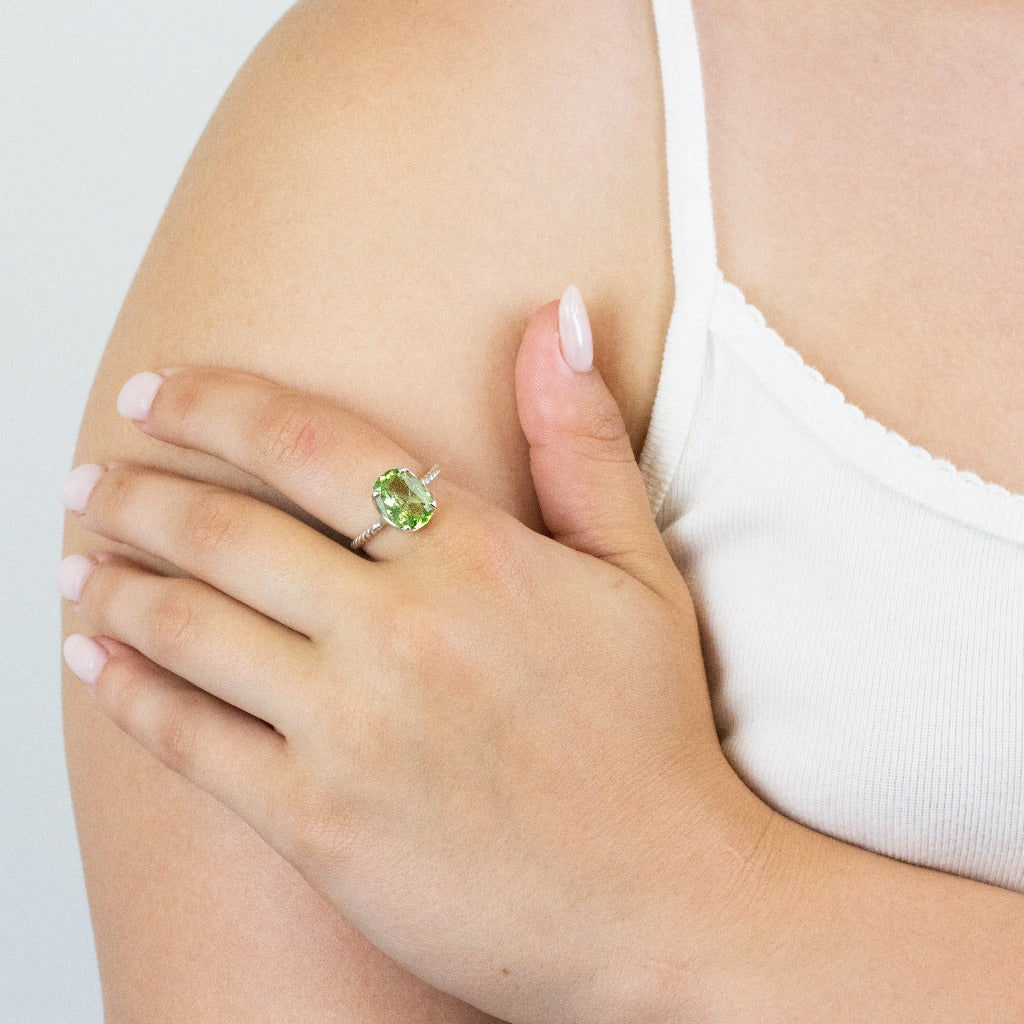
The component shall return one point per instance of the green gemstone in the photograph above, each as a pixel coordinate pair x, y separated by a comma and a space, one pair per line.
403, 499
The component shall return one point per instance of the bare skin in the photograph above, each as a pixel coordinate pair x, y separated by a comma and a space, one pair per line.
865, 162
343, 224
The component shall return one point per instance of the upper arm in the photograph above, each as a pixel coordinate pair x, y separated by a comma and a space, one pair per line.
382, 198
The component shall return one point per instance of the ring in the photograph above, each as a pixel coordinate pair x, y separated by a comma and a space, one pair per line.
403, 500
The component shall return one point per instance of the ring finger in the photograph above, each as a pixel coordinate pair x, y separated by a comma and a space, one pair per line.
248, 549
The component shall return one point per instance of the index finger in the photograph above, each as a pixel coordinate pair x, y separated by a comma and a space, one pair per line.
311, 449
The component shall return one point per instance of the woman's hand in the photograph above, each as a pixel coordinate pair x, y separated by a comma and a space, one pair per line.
492, 750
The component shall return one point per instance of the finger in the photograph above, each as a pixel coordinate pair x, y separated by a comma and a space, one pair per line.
250, 550
239, 760
201, 635
311, 449
589, 487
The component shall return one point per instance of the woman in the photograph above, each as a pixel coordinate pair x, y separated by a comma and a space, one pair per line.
857, 601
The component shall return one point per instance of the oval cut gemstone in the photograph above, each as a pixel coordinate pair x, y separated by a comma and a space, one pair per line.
403, 500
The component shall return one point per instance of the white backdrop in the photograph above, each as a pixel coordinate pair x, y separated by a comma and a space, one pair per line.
100, 106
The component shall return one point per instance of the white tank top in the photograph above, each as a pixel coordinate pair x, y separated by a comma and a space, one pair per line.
861, 602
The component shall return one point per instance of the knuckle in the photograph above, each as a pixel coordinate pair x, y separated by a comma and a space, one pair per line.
374, 746
605, 423
410, 631
401, 632
209, 525
319, 824
490, 551
96, 601
165, 726
175, 622
182, 395
116, 490
603, 436
173, 739
289, 431
117, 690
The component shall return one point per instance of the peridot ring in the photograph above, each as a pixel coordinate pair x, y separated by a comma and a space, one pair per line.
403, 500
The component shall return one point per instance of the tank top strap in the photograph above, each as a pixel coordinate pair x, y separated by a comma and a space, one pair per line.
692, 238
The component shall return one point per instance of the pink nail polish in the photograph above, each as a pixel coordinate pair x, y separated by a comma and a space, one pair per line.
137, 395
75, 494
574, 330
72, 573
85, 657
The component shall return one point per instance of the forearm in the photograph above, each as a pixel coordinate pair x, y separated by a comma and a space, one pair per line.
832, 932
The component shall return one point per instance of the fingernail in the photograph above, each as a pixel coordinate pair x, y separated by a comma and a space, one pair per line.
574, 330
137, 393
75, 494
85, 657
72, 574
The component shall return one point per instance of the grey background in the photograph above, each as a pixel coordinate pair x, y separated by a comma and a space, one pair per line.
100, 106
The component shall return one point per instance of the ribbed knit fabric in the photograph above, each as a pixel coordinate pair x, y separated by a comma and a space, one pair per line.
861, 602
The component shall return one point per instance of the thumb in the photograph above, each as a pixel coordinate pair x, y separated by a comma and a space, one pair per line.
588, 484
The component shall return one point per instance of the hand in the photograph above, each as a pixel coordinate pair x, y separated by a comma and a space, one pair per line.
492, 750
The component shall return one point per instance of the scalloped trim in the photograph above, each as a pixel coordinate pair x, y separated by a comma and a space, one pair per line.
855, 412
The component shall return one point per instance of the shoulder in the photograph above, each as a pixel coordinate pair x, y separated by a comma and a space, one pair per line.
390, 187
520, 145
410, 181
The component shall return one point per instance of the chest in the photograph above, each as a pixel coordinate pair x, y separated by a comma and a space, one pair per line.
865, 178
